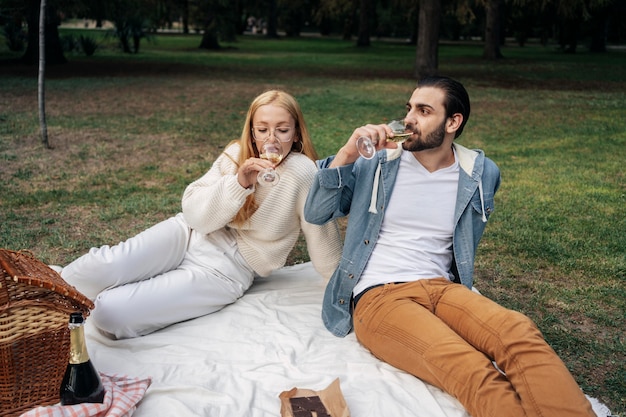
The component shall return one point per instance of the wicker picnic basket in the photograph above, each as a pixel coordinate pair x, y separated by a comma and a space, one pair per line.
35, 304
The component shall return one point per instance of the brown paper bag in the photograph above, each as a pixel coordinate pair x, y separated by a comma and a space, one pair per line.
307, 402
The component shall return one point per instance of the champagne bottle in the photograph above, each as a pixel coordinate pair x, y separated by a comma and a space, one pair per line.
81, 382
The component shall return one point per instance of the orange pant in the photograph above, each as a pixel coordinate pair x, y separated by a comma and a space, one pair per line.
447, 335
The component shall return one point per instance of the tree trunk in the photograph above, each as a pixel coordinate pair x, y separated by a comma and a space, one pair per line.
42, 71
414, 29
492, 31
599, 25
136, 42
97, 9
348, 24
186, 17
209, 36
209, 41
426, 61
272, 20
568, 37
54, 51
122, 31
364, 23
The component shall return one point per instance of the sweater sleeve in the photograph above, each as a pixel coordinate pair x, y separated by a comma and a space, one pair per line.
324, 246
213, 200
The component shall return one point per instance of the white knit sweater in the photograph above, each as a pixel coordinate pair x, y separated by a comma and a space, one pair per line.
267, 238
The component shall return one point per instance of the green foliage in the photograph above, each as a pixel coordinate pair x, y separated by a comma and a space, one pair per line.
69, 42
131, 19
88, 44
131, 131
15, 36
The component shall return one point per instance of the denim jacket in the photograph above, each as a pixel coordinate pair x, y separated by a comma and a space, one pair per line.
366, 186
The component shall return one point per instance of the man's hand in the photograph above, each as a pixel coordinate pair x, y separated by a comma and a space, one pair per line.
378, 134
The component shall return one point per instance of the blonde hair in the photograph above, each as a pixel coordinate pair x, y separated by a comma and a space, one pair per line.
248, 147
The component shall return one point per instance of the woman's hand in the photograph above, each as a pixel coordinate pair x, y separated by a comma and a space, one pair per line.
248, 171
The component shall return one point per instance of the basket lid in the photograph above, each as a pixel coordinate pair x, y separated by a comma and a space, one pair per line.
23, 268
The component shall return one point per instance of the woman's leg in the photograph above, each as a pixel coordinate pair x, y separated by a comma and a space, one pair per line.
212, 275
157, 249
537, 374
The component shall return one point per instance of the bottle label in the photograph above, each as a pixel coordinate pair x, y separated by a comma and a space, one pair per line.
78, 347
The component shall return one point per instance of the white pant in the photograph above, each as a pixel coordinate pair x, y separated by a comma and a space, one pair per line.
165, 274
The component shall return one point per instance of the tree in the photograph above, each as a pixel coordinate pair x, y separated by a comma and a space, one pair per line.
219, 21
365, 7
54, 51
429, 20
572, 15
293, 16
96, 10
492, 31
599, 21
185, 15
42, 71
336, 12
272, 19
210, 39
131, 19
491, 50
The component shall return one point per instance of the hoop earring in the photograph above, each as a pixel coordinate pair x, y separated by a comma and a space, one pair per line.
301, 146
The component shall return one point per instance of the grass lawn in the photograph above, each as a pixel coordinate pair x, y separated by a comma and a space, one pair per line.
131, 131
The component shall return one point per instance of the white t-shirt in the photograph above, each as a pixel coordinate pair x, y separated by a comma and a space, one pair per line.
415, 240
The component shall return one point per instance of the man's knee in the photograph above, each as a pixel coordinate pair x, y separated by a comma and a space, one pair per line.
515, 325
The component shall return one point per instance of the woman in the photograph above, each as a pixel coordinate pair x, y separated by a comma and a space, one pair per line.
230, 230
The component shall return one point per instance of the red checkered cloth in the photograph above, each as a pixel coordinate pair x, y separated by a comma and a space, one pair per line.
122, 393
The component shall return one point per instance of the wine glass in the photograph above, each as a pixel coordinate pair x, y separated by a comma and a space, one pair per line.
367, 147
273, 152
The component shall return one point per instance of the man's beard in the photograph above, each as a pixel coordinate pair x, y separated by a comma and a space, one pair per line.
433, 140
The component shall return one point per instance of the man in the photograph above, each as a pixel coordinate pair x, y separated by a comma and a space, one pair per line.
417, 212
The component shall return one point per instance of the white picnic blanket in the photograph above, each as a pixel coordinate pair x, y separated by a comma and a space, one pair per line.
237, 361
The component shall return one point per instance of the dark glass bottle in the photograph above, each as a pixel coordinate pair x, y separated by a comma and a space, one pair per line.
81, 383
